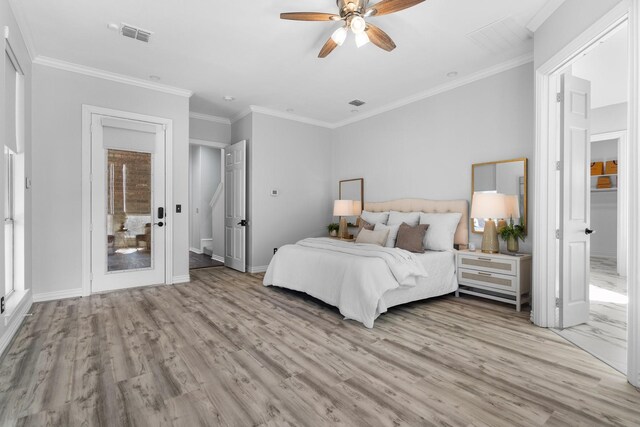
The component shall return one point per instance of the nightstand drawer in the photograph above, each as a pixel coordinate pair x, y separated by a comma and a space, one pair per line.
486, 280
489, 265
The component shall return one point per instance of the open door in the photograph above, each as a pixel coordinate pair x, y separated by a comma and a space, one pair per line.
575, 216
235, 193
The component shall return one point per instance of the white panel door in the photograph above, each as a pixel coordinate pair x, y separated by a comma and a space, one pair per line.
235, 193
127, 203
575, 201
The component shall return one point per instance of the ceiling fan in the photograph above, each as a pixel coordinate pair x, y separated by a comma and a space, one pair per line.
353, 13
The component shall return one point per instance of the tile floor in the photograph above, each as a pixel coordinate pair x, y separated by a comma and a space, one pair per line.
605, 334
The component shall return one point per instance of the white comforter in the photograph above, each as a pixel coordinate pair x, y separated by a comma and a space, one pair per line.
352, 277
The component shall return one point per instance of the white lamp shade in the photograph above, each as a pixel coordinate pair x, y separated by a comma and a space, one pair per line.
489, 205
362, 39
513, 207
339, 35
343, 208
357, 207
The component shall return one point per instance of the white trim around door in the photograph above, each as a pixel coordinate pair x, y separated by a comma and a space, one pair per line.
87, 112
546, 177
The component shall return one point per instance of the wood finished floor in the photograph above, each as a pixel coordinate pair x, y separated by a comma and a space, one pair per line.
224, 350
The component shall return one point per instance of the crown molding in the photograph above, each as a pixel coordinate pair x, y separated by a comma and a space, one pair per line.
543, 14
289, 116
209, 118
24, 29
463, 81
107, 75
241, 115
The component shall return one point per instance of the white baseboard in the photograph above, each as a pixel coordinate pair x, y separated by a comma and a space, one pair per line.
196, 251
181, 279
50, 296
603, 254
203, 242
17, 318
258, 269
217, 258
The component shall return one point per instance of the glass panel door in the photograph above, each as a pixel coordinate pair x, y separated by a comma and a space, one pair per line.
129, 210
9, 221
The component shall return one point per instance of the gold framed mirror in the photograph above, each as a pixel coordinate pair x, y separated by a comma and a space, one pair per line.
352, 189
504, 176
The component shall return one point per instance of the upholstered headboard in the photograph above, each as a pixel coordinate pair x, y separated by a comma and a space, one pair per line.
429, 206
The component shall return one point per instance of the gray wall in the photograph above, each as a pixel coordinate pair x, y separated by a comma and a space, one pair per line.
58, 97
426, 149
25, 252
571, 19
209, 131
609, 119
294, 158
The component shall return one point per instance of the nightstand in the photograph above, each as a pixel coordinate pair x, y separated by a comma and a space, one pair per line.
500, 277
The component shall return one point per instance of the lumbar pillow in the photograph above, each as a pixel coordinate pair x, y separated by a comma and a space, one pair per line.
410, 218
372, 237
375, 217
393, 233
442, 229
411, 238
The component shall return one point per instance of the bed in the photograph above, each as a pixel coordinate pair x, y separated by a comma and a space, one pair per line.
364, 281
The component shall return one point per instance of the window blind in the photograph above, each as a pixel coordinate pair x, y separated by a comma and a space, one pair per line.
10, 85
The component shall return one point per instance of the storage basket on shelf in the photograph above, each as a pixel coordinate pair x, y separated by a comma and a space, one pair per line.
604, 182
611, 167
597, 168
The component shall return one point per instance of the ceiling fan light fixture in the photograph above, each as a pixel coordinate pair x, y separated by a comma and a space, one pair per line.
339, 35
362, 39
358, 25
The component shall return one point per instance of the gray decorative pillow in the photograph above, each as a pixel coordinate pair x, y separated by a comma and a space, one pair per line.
411, 238
366, 225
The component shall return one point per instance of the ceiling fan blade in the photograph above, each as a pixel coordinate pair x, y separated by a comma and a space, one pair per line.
310, 16
380, 38
327, 48
386, 7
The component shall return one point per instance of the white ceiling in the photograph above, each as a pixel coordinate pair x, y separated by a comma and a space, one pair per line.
607, 68
243, 49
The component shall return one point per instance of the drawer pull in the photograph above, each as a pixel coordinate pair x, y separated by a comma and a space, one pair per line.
484, 274
485, 259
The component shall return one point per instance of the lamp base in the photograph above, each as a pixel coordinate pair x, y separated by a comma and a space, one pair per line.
343, 231
490, 243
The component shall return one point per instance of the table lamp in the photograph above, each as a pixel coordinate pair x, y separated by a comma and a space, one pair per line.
489, 206
343, 209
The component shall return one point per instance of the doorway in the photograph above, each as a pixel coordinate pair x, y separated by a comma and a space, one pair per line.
126, 226
206, 205
597, 321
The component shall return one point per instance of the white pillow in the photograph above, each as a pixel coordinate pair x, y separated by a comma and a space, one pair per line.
375, 217
397, 218
373, 237
441, 231
393, 233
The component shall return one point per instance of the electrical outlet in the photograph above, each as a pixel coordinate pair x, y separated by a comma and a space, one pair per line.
2, 307
275, 250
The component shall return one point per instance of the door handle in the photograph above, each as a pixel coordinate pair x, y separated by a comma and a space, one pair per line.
243, 223
588, 231
159, 224
160, 213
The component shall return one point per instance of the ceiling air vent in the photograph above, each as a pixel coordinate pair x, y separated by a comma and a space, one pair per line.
501, 35
357, 103
135, 33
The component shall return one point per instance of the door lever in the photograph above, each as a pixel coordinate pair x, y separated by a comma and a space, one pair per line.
243, 223
588, 231
159, 224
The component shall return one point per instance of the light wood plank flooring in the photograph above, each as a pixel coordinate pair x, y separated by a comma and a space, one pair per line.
224, 350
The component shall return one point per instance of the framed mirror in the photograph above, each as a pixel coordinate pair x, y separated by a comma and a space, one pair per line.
352, 189
504, 176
